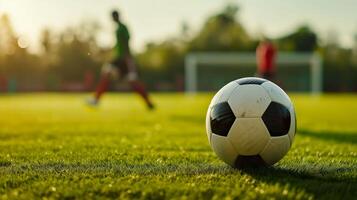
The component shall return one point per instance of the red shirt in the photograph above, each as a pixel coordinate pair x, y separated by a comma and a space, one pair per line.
266, 53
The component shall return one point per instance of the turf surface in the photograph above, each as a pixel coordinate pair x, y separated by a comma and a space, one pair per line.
52, 146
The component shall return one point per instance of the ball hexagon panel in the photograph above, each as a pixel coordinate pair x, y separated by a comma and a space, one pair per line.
249, 136
276, 149
249, 101
251, 81
293, 125
224, 93
221, 118
224, 149
277, 94
249, 161
277, 119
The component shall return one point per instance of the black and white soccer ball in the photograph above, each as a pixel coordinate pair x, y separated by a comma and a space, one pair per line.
251, 122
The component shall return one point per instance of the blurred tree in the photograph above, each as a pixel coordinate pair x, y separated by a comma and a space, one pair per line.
302, 40
162, 61
16, 63
76, 53
354, 51
8, 40
71, 55
222, 32
46, 41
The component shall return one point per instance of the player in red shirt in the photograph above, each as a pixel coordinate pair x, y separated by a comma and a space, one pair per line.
266, 54
123, 66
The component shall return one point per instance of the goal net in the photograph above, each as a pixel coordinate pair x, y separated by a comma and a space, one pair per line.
300, 72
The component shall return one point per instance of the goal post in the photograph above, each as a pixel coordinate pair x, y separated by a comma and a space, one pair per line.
284, 59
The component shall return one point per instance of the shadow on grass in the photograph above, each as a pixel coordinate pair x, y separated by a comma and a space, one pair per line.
322, 184
327, 174
341, 137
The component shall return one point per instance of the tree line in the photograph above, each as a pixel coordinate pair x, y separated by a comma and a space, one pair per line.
71, 59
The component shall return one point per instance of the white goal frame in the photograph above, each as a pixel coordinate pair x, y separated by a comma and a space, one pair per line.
284, 59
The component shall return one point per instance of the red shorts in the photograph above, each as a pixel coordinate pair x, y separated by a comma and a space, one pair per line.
122, 68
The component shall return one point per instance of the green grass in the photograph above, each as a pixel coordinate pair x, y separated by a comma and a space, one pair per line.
52, 146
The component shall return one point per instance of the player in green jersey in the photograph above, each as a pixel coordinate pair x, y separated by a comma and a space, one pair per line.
123, 66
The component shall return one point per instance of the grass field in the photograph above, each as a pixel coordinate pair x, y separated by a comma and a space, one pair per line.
52, 146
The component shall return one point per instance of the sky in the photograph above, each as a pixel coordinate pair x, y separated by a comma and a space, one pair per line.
155, 20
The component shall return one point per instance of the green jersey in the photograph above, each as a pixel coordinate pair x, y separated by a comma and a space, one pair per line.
122, 46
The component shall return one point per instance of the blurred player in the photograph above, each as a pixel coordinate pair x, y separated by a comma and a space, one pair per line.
122, 67
266, 54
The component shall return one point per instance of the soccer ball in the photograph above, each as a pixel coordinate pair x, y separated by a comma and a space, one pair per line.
251, 122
